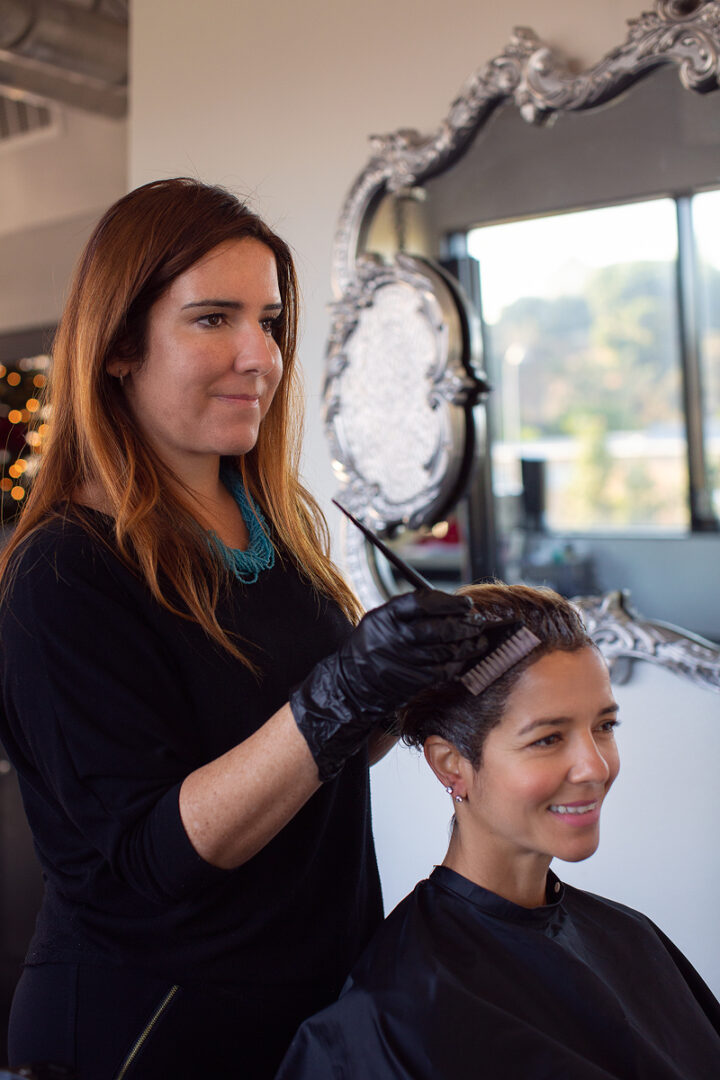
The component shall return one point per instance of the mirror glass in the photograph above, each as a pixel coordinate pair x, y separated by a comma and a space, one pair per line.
590, 247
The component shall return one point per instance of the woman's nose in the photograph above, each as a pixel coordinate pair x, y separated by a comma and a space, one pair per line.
253, 352
589, 764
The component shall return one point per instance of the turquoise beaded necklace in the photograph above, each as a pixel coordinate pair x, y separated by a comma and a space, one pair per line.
246, 565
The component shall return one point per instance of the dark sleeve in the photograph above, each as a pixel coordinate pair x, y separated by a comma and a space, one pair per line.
95, 709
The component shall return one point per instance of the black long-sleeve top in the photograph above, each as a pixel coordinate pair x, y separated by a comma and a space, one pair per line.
108, 702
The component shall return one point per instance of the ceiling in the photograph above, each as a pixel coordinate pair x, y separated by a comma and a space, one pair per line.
70, 52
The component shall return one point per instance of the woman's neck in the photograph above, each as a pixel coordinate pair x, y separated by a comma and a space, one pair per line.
212, 504
518, 877
205, 495
220, 514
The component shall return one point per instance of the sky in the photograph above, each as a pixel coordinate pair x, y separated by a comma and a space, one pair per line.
552, 256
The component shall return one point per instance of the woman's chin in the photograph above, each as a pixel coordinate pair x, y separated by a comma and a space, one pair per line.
578, 853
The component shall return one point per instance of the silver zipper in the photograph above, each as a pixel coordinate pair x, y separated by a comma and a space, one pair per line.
145, 1034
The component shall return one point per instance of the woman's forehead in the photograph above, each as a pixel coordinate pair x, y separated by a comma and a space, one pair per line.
561, 683
242, 269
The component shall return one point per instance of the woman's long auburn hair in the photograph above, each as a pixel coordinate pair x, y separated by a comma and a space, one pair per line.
141, 244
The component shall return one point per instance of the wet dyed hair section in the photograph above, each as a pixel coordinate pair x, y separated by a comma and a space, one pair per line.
450, 710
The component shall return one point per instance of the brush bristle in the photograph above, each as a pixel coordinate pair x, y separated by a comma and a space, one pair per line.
500, 660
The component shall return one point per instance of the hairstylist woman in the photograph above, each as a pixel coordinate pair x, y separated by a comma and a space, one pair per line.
185, 700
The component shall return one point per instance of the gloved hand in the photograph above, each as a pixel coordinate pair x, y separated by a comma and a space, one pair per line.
413, 641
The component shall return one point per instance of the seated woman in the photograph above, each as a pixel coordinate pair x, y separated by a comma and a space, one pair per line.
492, 968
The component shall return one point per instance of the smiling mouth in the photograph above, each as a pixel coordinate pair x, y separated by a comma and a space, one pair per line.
585, 809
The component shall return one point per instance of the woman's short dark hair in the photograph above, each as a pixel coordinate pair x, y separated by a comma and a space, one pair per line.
450, 710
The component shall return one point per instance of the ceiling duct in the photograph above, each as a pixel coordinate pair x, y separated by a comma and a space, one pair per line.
64, 52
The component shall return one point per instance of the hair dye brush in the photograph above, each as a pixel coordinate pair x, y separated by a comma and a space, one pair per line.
510, 640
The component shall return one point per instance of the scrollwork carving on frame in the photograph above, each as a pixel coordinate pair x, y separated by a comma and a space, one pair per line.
621, 634
397, 390
541, 84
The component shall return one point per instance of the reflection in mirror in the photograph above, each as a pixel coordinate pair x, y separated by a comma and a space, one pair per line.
436, 552
589, 247
583, 341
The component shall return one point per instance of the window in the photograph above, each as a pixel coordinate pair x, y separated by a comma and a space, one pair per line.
587, 332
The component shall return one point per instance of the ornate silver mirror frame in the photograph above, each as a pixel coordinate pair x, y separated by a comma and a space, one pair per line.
404, 358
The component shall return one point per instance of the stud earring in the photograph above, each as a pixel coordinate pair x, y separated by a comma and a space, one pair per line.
450, 790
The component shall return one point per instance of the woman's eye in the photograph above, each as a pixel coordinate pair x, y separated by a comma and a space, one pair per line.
269, 325
215, 318
608, 726
547, 740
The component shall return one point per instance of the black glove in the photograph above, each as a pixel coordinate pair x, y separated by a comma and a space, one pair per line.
415, 640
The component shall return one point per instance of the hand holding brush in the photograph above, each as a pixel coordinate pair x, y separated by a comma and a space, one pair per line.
413, 641
505, 642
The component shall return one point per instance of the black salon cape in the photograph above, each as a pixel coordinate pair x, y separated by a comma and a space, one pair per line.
461, 984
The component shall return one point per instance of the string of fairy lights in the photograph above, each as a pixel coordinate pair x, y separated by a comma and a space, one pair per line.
23, 427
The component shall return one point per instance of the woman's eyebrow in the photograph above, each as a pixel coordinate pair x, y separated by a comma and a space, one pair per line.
236, 305
549, 720
543, 722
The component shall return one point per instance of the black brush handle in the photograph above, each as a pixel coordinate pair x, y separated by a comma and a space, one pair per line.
412, 576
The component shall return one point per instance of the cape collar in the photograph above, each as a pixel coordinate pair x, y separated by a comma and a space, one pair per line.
497, 906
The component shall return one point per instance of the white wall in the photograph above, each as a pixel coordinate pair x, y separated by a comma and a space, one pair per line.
53, 186
77, 166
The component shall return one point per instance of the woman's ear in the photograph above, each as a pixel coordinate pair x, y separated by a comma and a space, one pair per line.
447, 763
125, 357
117, 368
